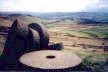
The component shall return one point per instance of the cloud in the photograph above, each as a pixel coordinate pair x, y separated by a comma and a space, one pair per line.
100, 3
50, 5
103, 6
97, 6
42, 5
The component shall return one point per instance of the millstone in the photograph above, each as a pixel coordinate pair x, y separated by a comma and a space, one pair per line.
21, 39
50, 59
34, 40
16, 44
44, 36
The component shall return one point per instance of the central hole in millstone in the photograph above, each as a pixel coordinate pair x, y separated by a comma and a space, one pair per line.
50, 57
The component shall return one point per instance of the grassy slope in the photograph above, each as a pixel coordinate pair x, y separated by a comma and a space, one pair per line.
32, 19
76, 33
27, 19
94, 60
59, 23
97, 31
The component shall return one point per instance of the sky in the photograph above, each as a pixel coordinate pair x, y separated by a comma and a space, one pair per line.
53, 5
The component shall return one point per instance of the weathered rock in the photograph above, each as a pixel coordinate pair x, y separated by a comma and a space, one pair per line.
57, 46
44, 36
20, 40
34, 40
50, 59
23, 39
16, 42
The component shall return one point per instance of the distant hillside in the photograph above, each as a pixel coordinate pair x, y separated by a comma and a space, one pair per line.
4, 21
7, 19
81, 17
89, 21
85, 21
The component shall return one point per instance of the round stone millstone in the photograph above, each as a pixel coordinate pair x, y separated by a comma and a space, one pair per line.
44, 36
50, 59
34, 40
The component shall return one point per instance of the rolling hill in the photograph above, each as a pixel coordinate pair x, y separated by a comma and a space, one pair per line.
80, 17
7, 19
53, 18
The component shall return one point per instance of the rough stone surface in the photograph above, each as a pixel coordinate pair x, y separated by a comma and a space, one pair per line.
57, 46
34, 39
20, 40
44, 36
16, 43
50, 59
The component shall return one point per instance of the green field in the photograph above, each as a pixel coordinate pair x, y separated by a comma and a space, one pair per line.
94, 60
94, 32
98, 31
76, 33
57, 23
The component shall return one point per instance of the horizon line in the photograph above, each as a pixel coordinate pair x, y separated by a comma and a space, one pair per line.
50, 12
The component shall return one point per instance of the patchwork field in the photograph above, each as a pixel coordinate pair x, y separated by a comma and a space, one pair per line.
88, 43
